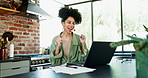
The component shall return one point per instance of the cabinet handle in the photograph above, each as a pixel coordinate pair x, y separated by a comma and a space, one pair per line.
16, 68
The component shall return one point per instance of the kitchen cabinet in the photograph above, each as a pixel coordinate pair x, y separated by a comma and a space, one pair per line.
14, 66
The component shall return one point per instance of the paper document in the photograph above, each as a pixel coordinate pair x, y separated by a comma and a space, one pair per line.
71, 70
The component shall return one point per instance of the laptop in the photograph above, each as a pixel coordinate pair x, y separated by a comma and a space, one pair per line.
100, 54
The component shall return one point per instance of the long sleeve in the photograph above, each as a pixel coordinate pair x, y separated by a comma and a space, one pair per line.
83, 55
55, 60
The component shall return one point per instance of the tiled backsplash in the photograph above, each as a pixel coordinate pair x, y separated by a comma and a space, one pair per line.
26, 33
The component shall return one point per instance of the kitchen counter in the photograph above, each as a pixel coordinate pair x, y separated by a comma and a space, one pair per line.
13, 59
116, 69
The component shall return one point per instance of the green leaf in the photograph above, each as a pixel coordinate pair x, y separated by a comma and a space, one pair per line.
0, 44
135, 38
123, 42
146, 29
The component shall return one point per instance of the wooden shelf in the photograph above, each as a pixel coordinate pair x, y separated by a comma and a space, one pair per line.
8, 11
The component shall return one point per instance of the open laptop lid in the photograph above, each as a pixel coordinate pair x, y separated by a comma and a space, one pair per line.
100, 54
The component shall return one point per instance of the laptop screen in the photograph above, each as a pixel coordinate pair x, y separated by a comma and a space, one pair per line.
100, 54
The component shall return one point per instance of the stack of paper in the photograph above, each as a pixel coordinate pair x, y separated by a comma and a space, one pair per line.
71, 69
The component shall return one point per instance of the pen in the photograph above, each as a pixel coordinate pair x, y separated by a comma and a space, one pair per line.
71, 67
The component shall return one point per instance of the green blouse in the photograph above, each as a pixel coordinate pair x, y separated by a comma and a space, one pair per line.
75, 54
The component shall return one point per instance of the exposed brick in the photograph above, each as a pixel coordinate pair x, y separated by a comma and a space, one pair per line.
30, 44
30, 23
32, 27
22, 52
29, 52
1, 32
22, 22
37, 22
38, 28
20, 18
18, 33
25, 31
30, 20
1, 22
21, 29
18, 25
15, 36
9, 16
21, 37
36, 31
30, 30
25, 40
12, 28
25, 48
37, 47
36, 44
9, 23
36, 37
21, 44
3, 18
17, 40
15, 20
3, 27
33, 34
33, 48
25, 26
33, 41
36, 52
18, 48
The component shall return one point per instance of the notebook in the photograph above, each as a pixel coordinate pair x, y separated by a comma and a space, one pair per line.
100, 54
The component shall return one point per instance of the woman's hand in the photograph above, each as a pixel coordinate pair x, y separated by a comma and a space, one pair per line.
82, 39
58, 42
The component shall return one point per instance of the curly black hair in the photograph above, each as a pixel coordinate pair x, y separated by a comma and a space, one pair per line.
65, 12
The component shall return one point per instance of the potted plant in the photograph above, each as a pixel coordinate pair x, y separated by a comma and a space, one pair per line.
141, 47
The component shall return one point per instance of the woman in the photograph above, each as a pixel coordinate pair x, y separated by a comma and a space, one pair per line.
68, 46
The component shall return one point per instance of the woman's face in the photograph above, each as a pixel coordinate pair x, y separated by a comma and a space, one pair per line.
69, 24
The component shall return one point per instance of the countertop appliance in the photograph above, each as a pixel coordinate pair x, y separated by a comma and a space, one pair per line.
38, 61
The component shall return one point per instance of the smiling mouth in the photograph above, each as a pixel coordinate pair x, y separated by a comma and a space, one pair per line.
71, 28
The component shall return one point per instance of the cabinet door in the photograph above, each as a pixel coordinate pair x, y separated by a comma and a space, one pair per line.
14, 68
14, 71
7, 65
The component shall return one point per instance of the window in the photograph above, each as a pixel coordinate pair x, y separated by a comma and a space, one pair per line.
52, 26
85, 26
107, 21
135, 15
107, 26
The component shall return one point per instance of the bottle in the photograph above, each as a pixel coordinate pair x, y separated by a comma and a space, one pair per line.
11, 50
2, 50
7, 44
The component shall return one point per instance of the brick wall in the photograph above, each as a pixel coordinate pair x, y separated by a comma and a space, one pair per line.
25, 31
